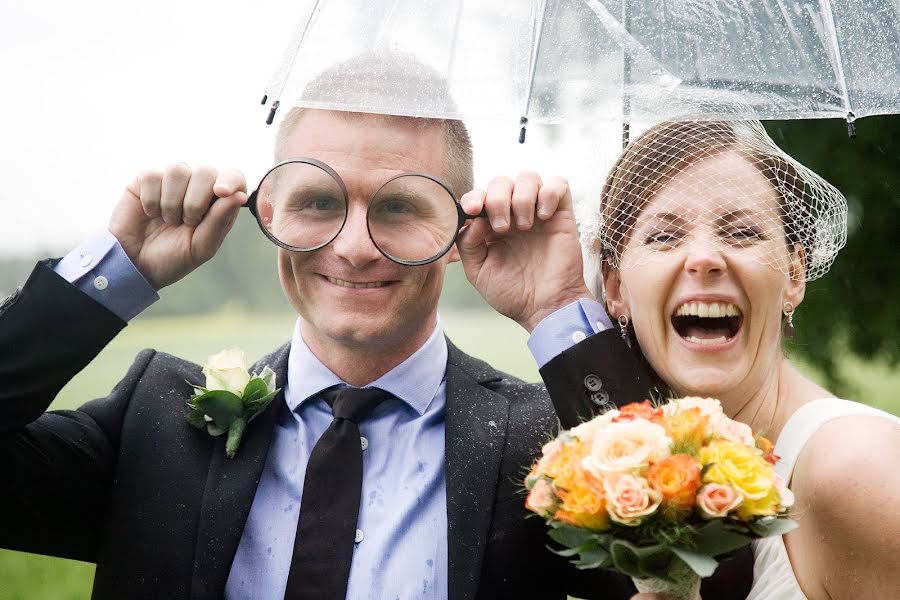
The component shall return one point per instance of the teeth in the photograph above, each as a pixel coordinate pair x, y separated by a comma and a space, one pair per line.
711, 310
702, 342
350, 284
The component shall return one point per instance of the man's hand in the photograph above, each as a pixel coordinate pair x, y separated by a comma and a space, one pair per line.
525, 259
168, 224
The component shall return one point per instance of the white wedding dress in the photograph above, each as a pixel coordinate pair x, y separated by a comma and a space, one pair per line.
773, 577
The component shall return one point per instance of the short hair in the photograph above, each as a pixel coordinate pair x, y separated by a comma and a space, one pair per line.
370, 82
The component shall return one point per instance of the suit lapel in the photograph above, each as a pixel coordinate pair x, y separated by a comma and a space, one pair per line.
475, 436
230, 489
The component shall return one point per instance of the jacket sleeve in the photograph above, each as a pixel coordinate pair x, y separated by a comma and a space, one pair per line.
55, 467
596, 374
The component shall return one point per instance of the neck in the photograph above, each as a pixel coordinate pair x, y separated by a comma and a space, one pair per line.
359, 363
768, 408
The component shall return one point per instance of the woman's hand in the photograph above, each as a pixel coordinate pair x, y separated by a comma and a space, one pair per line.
525, 259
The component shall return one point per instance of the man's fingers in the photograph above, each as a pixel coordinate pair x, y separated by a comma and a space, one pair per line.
524, 198
198, 195
211, 232
174, 186
554, 195
497, 201
149, 191
229, 182
472, 245
472, 202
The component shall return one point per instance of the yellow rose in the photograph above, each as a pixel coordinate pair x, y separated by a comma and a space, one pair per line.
739, 466
227, 371
583, 506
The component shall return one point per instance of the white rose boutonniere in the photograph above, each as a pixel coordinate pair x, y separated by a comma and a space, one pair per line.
231, 398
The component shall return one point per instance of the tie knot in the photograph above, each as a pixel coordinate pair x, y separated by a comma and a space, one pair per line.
354, 404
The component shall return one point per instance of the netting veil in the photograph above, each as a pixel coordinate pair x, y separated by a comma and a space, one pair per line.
725, 186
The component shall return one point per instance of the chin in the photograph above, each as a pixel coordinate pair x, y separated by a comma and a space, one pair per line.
705, 382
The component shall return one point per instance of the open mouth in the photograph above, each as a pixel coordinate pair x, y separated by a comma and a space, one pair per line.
707, 323
357, 285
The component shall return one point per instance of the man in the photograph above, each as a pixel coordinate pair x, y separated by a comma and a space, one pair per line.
127, 483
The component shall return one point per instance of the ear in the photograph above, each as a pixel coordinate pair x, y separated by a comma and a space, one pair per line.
613, 291
796, 288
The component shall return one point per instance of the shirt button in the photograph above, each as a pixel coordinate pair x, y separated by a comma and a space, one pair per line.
578, 336
593, 383
359, 536
601, 326
86, 260
101, 283
363, 442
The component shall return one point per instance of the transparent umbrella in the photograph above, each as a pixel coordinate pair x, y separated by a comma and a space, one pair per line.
545, 61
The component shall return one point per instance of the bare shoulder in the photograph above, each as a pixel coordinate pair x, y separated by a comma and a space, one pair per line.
847, 488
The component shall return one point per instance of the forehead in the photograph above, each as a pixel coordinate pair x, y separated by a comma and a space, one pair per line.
366, 149
724, 183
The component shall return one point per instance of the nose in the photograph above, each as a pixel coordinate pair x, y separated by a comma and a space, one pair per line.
704, 258
353, 243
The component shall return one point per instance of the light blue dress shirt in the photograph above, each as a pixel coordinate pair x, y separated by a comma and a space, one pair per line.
402, 527
402, 552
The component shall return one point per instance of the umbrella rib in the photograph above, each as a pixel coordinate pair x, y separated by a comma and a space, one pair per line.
839, 61
290, 67
536, 48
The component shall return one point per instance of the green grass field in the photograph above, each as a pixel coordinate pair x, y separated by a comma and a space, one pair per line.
486, 335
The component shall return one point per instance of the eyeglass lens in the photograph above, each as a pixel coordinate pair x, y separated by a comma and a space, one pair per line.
412, 219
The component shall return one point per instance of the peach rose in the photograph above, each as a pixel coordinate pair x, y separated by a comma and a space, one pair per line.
541, 499
587, 430
709, 407
629, 498
733, 431
627, 446
677, 478
716, 500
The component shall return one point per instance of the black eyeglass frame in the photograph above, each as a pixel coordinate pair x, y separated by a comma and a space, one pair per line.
461, 216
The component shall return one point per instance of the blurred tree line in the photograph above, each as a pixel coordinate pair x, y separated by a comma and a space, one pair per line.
853, 308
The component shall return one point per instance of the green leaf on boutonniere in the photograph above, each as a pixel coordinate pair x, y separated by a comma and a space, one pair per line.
221, 406
256, 388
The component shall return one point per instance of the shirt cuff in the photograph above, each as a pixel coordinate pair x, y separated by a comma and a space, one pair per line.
100, 268
566, 327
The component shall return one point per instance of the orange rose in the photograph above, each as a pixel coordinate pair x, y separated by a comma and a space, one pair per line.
583, 506
565, 468
677, 477
688, 429
642, 410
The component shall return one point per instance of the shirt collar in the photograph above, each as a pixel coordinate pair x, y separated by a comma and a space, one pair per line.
415, 381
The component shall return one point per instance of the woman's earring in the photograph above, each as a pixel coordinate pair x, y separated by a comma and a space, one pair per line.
788, 310
623, 327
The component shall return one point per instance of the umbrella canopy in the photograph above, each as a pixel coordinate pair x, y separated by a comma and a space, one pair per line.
646, 60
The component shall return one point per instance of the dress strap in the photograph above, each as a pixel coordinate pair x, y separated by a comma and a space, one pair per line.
804, 423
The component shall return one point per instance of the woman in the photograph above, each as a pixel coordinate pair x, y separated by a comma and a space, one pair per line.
709, 235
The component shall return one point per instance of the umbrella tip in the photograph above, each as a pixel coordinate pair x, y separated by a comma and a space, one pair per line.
851, 124
271, 116
265, 99
524, 123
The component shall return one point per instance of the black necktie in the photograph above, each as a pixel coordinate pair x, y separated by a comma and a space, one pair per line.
329, 509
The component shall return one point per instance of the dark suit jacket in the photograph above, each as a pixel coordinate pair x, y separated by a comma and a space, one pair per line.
127, 483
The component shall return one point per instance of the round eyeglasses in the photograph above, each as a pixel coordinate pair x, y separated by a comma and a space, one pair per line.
413, 218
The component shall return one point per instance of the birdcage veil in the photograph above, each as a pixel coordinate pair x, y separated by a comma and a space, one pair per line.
723, 182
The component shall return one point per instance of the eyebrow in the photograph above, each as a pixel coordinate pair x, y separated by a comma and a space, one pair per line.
734, 215
667, 217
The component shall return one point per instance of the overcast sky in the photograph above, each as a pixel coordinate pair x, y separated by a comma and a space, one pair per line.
95, 91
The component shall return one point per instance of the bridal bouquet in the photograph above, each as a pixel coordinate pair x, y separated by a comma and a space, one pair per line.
657, 493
